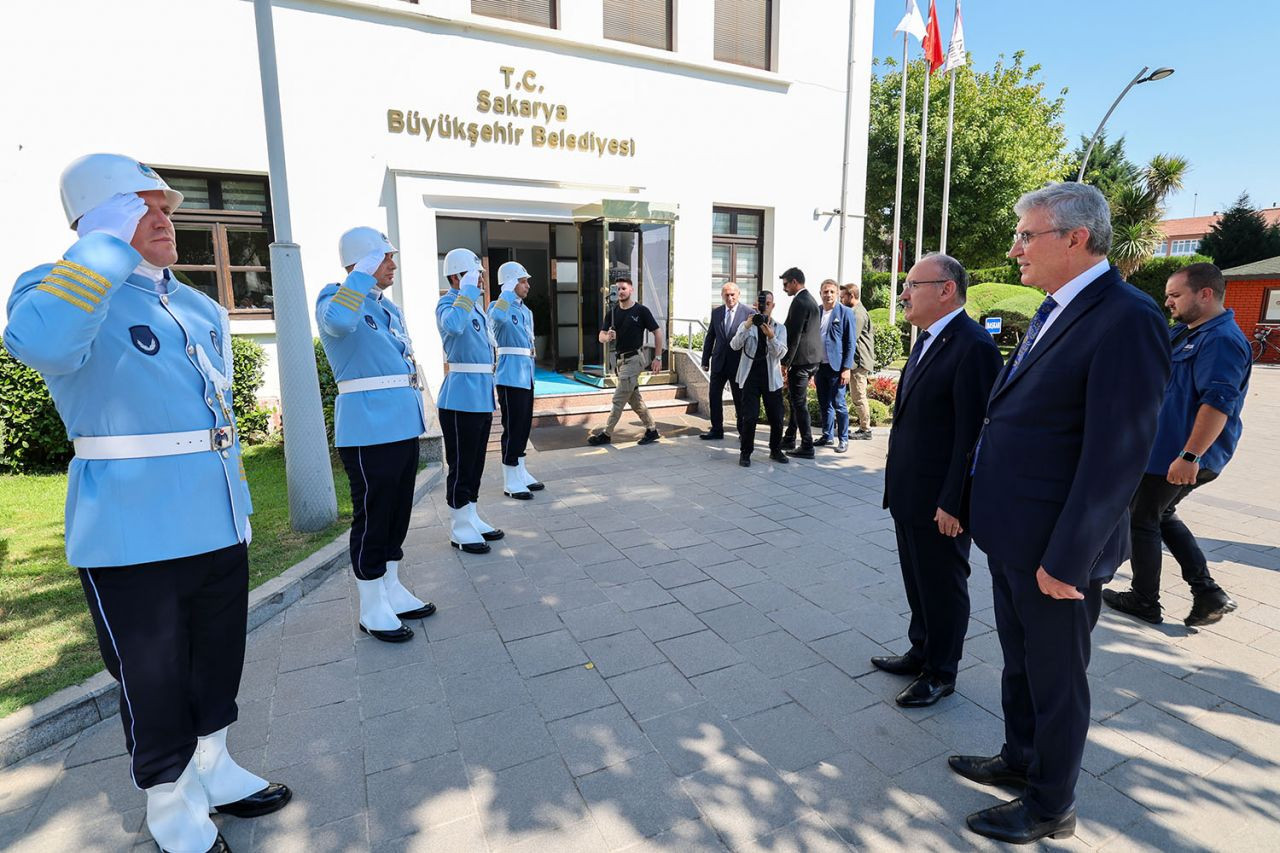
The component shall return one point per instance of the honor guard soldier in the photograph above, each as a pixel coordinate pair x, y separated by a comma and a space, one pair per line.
377, 419
157, 513
512, 325
466, 397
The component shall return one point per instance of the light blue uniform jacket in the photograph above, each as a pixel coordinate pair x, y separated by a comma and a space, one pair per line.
121, 360
464, 331
363, 337
512, 325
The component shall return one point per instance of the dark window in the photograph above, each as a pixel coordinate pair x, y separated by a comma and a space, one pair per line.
541, 13
744, 32
646, 22
224, 230
737, 247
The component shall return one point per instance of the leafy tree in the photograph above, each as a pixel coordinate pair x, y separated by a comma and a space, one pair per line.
1008, 139
1136, 211
1241, 236
1109, 167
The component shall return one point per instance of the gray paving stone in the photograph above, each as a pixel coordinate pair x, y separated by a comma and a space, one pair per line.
737, 622
635, 800
707, 595
504, 739
853, 796
768, 596
570, 691
826, 692
808, 622
617, 570
789, 737
546, 653
695, 738
502, 594
315, 686
403, 737
667, 621
708, 554
654, 691
888, 739
307, 650
312, 733
599, 738
326, 788
485, 691
695, 654
777, 653
310, 615
677, 573
390, 690
526, 620
638, 595
743, 799
101, 740
418, 797
572, 595
621, 653
735, 574
851, 651
465, 835
740, 690
469, 652
599, 620
531, 798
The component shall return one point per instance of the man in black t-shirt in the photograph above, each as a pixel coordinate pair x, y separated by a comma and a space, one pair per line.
625, 325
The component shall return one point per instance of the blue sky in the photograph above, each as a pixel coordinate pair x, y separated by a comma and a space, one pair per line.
1220, 110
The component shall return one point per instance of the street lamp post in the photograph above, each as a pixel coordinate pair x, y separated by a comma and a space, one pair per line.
1158, 74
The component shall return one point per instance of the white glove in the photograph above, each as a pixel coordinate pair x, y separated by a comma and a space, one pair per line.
471, 279
118, 216
369, 263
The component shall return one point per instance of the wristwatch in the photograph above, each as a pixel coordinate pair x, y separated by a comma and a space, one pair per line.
1188, 456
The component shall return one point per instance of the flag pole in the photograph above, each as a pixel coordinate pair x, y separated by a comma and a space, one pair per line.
946, 169
924, 142
897, 194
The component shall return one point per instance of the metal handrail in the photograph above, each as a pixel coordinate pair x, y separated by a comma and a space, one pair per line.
689, 322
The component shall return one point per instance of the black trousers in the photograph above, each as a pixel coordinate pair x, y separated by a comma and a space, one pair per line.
935, 573
1044, 688
172, 633
718, 381
466, 438
381, 478
798, 378
1153, 519
517, 420
748, 411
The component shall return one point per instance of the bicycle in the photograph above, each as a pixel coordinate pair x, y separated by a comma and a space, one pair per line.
1262, 341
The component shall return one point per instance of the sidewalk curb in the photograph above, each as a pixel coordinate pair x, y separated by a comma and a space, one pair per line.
73, 709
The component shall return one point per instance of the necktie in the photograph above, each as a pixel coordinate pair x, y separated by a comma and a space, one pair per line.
916, 352
728, 320
1033, 331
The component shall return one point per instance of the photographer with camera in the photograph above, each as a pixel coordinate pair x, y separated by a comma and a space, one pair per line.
763, 343
625, 325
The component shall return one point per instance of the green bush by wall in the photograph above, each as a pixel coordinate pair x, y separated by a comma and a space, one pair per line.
32, 437
248, 360
328, 388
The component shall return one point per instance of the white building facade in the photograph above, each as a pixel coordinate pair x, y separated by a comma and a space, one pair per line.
495, 124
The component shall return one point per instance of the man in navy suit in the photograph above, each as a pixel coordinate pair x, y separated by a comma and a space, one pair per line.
839, 331
937, 415
1068, 430
720, 359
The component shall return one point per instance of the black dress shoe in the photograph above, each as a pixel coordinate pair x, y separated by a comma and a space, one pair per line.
270, 799
744, 461
420, 613
926, 690
219, 846
861, 435
471, 547
712, 435
984, 770
821, 441
802, 453
536, 487
1133, 604
403, 634
520, 496
898, 664
599, 439
1208, 608
492, 535
1015, 823
842, 446
649, 437
779, 456
788, 443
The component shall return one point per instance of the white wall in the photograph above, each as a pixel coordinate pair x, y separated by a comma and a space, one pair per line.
142, 82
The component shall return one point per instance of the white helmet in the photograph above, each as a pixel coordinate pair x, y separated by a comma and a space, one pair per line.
510, 273
358, 242
461, 261
95, 178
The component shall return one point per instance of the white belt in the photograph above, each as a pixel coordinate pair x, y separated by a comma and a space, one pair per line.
377, 383
157, 444
516, 351
455, 367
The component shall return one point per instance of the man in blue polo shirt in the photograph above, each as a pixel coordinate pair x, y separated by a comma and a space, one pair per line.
1198, 430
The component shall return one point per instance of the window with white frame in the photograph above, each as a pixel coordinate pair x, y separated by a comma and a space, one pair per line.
1185, 247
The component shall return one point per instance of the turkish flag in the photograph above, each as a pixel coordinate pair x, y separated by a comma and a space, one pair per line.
932, 42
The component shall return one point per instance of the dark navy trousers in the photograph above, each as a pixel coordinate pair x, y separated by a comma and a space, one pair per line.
381, 478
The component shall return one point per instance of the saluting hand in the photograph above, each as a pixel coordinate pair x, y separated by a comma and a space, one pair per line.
369, 263
118, 216
1054, 588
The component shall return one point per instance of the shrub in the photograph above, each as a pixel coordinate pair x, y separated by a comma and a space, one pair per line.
328, 388
875, 290
1151, 276
32, 437
683, 340
1015, 305
887, 342
248, 359
1007, 274
884, 389
880, 413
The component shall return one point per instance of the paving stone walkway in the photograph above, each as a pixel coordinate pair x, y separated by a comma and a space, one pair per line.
669, 652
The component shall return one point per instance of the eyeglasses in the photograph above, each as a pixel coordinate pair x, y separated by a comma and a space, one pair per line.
1023, 238
912, 285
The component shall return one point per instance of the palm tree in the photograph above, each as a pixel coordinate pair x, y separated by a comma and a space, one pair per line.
1137, 208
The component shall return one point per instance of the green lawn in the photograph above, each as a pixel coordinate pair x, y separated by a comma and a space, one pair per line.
46, 636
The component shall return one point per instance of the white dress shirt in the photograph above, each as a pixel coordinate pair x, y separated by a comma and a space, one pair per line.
1070, 291
936, 327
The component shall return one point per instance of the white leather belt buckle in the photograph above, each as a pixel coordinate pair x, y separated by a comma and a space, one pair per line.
95, 447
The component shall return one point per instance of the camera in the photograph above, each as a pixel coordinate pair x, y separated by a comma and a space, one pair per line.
762, 302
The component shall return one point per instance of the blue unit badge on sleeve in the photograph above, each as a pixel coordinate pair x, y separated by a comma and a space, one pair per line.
369, 321
144, 339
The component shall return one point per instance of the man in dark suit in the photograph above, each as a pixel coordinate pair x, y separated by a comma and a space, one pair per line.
720, 359
804, 354
937, 415
1068, 430
839, 337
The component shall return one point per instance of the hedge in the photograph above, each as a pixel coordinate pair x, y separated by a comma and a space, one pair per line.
880, 413
328, 388
1014, 304
248, 359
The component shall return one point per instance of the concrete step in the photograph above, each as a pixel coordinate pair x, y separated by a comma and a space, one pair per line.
591, 408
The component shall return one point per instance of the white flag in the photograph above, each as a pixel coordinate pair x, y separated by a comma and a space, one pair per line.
955, 50
911, 23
